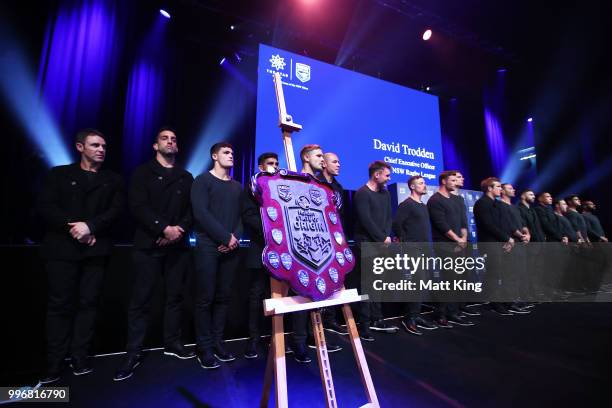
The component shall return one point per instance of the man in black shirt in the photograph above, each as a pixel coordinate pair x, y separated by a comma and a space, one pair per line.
216, 202
595, 231
489, 215
448, 226
530, 217
79, 204
331, 170
546, 215
411, 224
373, 224
577, 220
159, 201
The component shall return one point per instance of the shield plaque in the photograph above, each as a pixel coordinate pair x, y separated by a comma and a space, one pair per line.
305, 244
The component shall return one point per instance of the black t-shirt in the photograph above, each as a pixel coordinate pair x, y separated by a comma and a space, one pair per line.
411, 222
373, 208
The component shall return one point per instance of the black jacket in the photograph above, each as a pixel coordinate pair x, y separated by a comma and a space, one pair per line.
158, 198
550, 224
532, 221
489, 218
69, 196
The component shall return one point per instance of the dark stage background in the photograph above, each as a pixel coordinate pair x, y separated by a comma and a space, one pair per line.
492, 64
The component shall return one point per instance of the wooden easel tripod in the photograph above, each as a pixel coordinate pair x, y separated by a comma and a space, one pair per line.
279, 304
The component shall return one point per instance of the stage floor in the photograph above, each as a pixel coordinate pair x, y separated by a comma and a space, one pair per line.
559, 355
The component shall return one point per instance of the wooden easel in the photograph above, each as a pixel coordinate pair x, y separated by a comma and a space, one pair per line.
279, 304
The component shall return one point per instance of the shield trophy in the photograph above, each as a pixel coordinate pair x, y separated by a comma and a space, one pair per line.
305, 244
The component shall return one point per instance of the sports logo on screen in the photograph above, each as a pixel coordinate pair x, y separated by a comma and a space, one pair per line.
302, 72
277, 62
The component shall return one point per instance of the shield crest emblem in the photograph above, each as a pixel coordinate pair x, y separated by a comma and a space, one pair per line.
302, 72
309, 244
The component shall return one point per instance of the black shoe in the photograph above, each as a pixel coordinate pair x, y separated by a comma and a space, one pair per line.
81, 366
127, 368
458, 320
301, 354
518, 310
288, 349
382, 326
500, 310
207, 360
443, 322
251, 349
223, 355
331, 347
424, 324
179, 351
52, 375
469, 312
336, 328
411, 327
365, 334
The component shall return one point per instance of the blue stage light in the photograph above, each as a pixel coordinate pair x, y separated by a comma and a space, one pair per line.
222, 61
530, 120
18, 86
164, 13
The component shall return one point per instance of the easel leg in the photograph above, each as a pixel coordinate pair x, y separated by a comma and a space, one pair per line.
276, 355
323, 357
362, 363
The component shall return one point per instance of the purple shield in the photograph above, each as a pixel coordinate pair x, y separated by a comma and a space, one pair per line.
305, 233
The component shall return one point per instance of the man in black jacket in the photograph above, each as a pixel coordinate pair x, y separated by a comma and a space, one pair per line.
216, 203
595, 231
159, 201
535, 264
530, 217
488, 215
79, 203
577, 220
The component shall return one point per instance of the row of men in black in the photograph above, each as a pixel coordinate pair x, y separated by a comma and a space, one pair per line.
80, 203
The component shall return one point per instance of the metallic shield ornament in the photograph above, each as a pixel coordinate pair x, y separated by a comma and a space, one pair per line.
305, 230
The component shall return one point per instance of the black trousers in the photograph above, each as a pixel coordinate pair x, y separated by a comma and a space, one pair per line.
214, 276
172, 265
367, 312
259, 283
73, 293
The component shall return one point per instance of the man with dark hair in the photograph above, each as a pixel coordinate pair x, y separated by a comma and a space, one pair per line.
79, 203
530, 217
550, 224
514, 266
411, 224
216, 204
565, 226
595, 231
488, 215
448, 226
373, 224
577, 220
259, 279
159, 201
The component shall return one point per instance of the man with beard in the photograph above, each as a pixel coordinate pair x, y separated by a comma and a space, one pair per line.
79, 204
159, 201
215, 198
547, 217
373, 224
577, 220
449, 231
531, 220
595, 231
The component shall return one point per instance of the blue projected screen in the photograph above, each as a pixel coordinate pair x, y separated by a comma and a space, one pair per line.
358, 117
